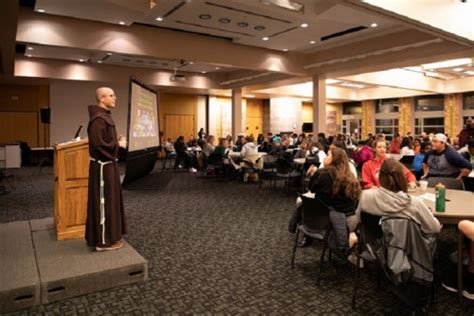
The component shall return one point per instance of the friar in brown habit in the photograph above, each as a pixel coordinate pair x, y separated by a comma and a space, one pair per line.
105, 223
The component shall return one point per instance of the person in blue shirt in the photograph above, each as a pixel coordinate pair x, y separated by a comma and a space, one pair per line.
417, 165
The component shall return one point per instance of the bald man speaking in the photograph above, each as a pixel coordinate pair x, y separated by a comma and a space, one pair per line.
105, 223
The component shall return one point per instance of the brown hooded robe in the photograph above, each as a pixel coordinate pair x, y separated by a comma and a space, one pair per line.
104, 147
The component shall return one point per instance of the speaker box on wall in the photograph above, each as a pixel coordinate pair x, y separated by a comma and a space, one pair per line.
45, 114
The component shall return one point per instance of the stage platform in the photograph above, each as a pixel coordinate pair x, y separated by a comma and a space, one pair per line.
35, 268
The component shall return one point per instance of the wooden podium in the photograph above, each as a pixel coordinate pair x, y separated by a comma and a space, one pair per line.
71, 174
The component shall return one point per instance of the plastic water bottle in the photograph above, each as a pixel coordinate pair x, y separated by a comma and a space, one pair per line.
440, 197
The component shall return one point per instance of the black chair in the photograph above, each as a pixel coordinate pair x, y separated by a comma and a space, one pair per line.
369, 233
315, 223
285, 171
6, 178
169, 156
407, 161
414, 294
213, 164
269, 171
449, 183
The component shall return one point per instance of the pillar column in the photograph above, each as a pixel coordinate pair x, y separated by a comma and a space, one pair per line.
236, 112
319, 105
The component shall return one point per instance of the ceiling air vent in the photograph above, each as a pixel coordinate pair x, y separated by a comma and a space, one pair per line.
342, 33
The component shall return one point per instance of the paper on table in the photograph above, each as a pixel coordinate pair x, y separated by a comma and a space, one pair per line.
428, 196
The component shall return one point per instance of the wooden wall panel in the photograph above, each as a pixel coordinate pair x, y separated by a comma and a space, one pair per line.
26, 99
19, 126
179, 125
178, 105
254, 117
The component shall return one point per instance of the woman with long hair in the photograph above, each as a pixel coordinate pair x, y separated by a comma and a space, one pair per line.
371, 168
392, 199
336, 186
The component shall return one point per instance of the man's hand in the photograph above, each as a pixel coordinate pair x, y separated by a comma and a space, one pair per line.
122, 141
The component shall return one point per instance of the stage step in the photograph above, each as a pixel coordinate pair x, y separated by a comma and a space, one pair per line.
19, 281
38, 269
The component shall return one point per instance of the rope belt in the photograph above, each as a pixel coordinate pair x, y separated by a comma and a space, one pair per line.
102, 195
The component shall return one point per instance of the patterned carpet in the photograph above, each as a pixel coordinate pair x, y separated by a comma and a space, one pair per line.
216, 248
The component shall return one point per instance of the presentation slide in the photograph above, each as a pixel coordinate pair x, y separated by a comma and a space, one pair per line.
143, 129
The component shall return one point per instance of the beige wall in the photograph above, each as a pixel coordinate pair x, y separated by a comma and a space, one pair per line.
69, 101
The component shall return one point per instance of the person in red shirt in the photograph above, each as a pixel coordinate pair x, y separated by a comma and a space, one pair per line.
371, 169
395, 145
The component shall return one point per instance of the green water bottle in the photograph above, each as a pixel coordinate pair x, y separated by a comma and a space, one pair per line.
440, 197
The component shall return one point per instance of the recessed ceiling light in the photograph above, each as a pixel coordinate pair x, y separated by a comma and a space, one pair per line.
259, 28
30, 48
28, 55
100, 61
285, 49
122, 23
205, 16
304, 25
265, 38
242, 24
224, 20
41, 10
469, 72
191, 62
458, 69
374, 25
217, 68
81, 60
159, 19
109, 54
312, 42
203, 72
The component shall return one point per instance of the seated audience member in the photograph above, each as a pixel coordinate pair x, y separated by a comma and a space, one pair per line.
260, 139
208, 146
169, 147
302, 151
467, 132
301, 138
450, 281
371, 169
276, 147
364, 153
395, 145
191, 142
444, 161
407, 147
469, 153
239, 142
336, 186
416, 146
183, 154
342, 145
418, 160
221, 148
229, 142
317, 149
249, 147
391, 199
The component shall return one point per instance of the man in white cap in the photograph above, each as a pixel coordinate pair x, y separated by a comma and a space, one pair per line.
444, 161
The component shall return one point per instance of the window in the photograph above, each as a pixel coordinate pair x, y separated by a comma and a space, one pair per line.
429, 103
387, 126
351, 108
429, 125
468, 101
387, 106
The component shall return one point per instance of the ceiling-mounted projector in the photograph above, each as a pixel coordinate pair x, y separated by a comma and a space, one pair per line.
177, 77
